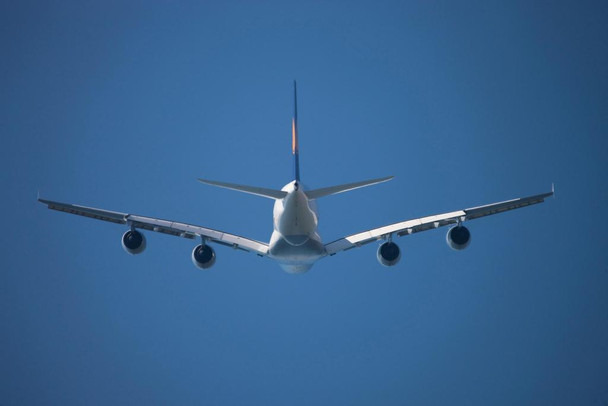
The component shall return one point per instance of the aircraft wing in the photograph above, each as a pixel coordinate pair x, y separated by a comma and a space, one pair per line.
431, 222
163, 226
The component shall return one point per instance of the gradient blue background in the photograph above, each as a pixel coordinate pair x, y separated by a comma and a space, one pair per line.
122, 105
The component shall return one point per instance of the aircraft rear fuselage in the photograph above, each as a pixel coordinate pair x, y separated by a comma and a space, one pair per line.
295, 242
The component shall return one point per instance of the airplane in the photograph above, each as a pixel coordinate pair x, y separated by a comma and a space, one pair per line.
295, 242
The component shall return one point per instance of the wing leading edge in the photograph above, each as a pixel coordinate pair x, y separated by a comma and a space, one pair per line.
431, 222
163, 226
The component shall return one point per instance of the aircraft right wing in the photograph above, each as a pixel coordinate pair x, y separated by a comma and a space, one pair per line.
163, 226
431, 222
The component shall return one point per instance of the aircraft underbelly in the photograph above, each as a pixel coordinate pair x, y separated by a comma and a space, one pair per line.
296, 258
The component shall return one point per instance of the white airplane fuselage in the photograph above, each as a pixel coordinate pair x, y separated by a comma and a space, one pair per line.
295, 242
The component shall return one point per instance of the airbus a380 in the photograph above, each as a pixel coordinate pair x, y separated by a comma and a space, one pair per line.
295, 243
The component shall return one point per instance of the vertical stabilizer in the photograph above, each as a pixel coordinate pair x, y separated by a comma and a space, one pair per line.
294, 135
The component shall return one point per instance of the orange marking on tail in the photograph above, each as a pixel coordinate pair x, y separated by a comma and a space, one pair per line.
294, 137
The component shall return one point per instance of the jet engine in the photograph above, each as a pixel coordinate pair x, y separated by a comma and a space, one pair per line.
133, 242
458, 237
203, 256
388, 253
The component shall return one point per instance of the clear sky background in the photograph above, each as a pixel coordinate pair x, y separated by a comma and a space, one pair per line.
122, 105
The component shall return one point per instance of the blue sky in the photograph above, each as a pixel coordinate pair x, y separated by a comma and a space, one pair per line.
122, 105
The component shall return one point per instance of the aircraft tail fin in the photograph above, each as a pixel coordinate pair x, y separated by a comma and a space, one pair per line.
294, 135
332, 190
258, 191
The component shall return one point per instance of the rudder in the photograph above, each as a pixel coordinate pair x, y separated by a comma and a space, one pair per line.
294, 135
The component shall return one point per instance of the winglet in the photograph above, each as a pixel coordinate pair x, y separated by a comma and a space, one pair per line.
295, 149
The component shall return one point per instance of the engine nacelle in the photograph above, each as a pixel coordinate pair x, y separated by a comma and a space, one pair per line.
388, 253
133, 242
458, 238
203, 256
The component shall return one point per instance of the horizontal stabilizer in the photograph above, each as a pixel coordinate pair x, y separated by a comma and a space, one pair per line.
332, 190
259, 191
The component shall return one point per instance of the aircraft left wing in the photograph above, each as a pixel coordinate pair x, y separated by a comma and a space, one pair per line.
431, 222
163, 226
